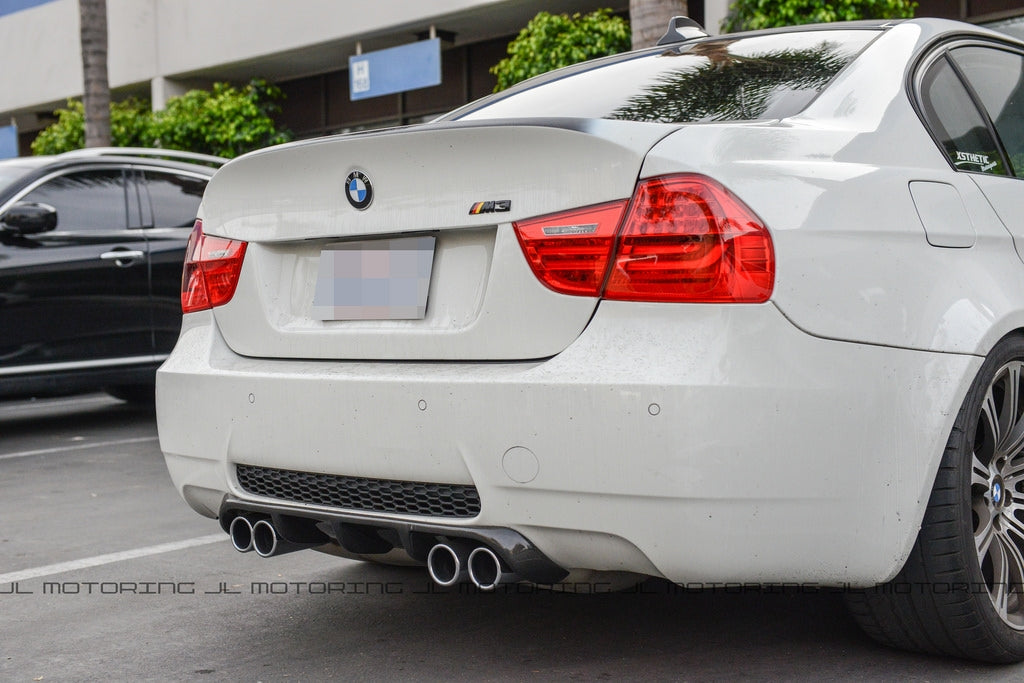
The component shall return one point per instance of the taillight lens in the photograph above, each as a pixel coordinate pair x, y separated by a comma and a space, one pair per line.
570, 251
685, 239
212, 266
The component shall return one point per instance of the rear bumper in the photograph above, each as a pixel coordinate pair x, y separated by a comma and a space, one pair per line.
698, 443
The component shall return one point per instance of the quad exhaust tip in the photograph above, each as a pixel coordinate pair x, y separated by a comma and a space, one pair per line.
241, 532
486, 571
264, 538
261, 536
449, 564
446, 565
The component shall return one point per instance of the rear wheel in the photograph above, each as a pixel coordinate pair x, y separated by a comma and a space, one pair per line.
961, 592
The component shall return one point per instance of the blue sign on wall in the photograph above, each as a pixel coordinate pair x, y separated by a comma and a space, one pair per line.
8, 142
12, 6
397, 69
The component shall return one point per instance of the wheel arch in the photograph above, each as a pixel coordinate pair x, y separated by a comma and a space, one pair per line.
944, 600
991, 341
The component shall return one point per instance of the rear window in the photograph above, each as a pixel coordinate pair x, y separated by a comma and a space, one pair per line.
728, 79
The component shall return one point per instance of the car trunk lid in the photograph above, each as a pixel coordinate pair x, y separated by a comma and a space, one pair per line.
446, 194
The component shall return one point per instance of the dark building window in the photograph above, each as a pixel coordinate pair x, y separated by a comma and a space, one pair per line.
320, 105
968, 10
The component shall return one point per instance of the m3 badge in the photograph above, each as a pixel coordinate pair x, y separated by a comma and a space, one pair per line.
498, 206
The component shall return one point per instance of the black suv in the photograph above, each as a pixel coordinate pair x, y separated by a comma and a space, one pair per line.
91, 250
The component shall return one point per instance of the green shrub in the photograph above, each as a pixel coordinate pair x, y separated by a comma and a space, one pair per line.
757, 14
226, 121
131, 125
551, 41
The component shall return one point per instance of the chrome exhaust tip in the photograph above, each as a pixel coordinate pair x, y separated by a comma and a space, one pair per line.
267, 541
445, 565
241, 532
486, 571
264, 538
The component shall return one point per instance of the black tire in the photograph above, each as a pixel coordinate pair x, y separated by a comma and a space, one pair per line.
943, 601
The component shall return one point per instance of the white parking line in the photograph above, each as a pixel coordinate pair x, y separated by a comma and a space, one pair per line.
73, 565
21, 408
77, 447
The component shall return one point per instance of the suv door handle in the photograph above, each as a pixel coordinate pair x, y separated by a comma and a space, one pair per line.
122, 257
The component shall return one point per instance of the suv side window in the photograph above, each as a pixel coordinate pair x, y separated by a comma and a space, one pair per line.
174, 197
85, 200
997, 76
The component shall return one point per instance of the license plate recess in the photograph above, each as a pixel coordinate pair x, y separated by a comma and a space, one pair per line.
380, 279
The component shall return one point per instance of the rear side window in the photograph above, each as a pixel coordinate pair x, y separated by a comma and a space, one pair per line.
85, 200
729, 79
956, 123
174, 197
997, 76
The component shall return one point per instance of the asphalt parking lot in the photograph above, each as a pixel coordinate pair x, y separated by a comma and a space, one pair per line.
106, 574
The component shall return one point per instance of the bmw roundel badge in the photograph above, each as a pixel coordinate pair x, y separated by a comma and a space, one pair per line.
358, 190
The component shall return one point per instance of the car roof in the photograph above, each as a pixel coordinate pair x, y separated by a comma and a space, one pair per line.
145, 154
205, 163
18, 172
26, 163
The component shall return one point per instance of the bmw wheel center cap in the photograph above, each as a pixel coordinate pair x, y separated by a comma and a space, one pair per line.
358, 190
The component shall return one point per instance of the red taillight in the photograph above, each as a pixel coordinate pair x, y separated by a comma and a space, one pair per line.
685, 238
569, 251
212, 266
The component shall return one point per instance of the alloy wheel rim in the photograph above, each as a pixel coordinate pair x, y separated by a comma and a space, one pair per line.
997, 492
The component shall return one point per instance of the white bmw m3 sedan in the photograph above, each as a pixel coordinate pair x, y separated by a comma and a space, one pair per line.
747, 308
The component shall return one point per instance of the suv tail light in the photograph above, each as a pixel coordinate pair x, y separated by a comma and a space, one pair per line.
212, 266
683, 238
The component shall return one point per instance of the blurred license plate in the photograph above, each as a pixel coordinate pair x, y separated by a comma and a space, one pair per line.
374, 280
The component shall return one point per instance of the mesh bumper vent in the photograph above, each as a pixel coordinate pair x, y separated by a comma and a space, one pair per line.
357, 493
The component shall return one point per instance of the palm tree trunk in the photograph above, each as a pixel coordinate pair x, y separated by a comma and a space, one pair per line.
649, 19
96, 94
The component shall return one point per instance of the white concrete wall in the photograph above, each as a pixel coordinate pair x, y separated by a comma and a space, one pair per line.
155, 38
715, 12
131, 38
42, 44
197, 34
36, 51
